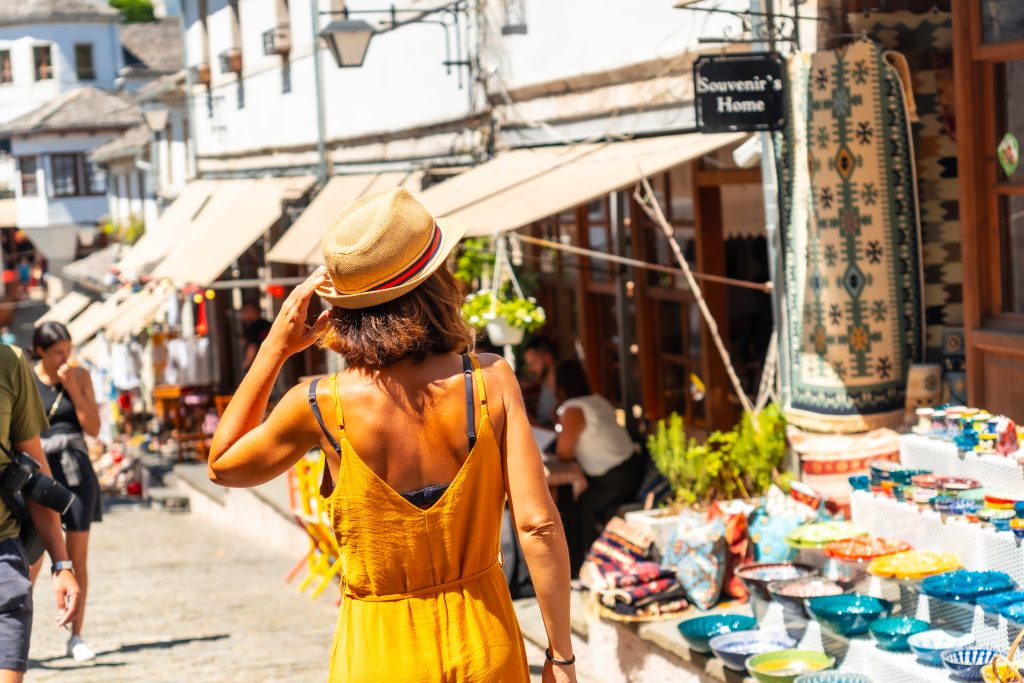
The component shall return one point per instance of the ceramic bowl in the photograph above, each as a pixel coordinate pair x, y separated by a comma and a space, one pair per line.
819, 534
734, 648
892, 633
997, 601
699, 630
792, 594
848, 615
966, 662
865, 548
846, 574
785, 665
756, 577
929, 645
966, 586
832, 677
914, 564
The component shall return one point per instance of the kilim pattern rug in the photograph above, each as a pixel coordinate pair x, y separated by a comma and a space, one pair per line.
926, 40
851, 241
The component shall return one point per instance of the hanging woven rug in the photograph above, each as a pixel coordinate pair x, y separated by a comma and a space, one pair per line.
851, 239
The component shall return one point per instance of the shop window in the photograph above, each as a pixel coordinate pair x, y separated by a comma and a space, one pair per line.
42, 60
83, 62
6, 73
65, 174
1010, 79
27, 167
1002, 20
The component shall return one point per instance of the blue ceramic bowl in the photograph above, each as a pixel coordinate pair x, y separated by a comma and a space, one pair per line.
892, 633
734, 648
929, 645
966, 586
849, 615
1014, 612
832, 677
698, 631
996, 602
966, 663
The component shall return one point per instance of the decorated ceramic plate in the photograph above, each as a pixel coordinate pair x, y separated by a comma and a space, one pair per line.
820, 534
965, 586
914, 564
865, 548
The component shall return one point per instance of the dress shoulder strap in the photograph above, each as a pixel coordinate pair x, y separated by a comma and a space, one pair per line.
478, 375
467, 373
315, 407
326, 482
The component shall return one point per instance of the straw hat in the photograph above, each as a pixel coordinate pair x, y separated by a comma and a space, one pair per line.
382, 246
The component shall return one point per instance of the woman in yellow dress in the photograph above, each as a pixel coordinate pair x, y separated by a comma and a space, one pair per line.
423, 443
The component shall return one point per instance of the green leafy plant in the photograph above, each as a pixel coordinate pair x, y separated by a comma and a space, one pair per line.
134, 11
739, 463
520, 313
127, 232
473, 259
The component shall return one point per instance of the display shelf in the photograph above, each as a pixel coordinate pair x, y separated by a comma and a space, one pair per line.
862, 655
980, 547
941, 457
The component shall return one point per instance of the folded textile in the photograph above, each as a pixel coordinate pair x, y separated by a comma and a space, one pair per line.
618, 548
641, 572
645, 593
652, 610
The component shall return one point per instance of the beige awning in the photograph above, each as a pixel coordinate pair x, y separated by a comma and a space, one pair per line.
185, 217
65, 309
301, 244
523, 186
224, 236
95, 317
134, 313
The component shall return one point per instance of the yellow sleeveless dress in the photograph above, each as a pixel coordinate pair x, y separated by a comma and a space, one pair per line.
424, 599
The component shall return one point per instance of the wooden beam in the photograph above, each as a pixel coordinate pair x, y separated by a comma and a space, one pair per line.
737, 176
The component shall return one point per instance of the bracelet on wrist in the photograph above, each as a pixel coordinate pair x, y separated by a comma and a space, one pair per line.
559, 662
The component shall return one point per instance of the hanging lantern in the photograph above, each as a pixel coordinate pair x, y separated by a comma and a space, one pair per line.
276, 291
197, 298
210, 295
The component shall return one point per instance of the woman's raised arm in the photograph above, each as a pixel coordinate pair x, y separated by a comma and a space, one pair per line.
247, 451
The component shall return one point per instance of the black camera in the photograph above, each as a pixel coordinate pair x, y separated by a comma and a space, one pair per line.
22, 476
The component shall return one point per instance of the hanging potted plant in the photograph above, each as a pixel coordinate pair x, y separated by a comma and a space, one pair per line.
505, 317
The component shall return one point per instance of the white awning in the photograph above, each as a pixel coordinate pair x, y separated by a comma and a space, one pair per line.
135, 313
201, 257
94, 318
64, 310
186, 216
523, 186
301, 244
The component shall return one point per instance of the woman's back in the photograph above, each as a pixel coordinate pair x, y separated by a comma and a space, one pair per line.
419, 572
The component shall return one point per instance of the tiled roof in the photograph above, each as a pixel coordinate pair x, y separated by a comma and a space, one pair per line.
55, 11
153, 46
82, 108
129, 143
165, 85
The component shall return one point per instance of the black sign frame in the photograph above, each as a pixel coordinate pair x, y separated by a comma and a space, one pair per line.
740, 92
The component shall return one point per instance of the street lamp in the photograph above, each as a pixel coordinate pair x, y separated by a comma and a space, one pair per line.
348, 41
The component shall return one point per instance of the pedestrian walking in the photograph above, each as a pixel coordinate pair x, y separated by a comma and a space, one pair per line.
22, 418
425, 441
67, 393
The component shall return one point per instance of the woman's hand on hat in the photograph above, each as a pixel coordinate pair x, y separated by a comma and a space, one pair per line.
290, 334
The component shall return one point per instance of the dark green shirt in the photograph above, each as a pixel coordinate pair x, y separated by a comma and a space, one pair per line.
21, 415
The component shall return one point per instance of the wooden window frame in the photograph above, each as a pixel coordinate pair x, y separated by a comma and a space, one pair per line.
76, 164
90, 70
34, 175
36, 73
87, 178
5, 55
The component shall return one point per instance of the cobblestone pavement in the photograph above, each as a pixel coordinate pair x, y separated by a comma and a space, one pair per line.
172, 600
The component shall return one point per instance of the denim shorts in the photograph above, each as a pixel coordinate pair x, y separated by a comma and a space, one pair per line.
15, 606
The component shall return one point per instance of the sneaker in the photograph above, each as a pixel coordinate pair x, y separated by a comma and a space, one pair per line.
79, 650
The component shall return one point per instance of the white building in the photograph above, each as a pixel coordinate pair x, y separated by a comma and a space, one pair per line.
61, 194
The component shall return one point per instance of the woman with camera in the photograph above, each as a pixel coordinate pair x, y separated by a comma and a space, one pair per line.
70, 404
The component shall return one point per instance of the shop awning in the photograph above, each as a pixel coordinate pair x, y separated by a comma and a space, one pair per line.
523, 186
301, 244
8, 212
65, 309
200, 203
93, 271
94, 318
134, 313
202, 257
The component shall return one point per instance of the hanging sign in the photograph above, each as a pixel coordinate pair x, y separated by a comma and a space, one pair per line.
740, 92
1009, 154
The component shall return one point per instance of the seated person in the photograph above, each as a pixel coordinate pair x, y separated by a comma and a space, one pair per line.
590, 435
540, 356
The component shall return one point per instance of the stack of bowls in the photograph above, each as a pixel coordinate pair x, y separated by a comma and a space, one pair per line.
892, 633
793, 594
697, 632
756, 577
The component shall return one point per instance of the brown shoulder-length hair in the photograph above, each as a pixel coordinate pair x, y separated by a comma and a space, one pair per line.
426, 320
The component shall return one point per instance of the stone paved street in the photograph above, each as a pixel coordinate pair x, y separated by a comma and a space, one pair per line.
175, 601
